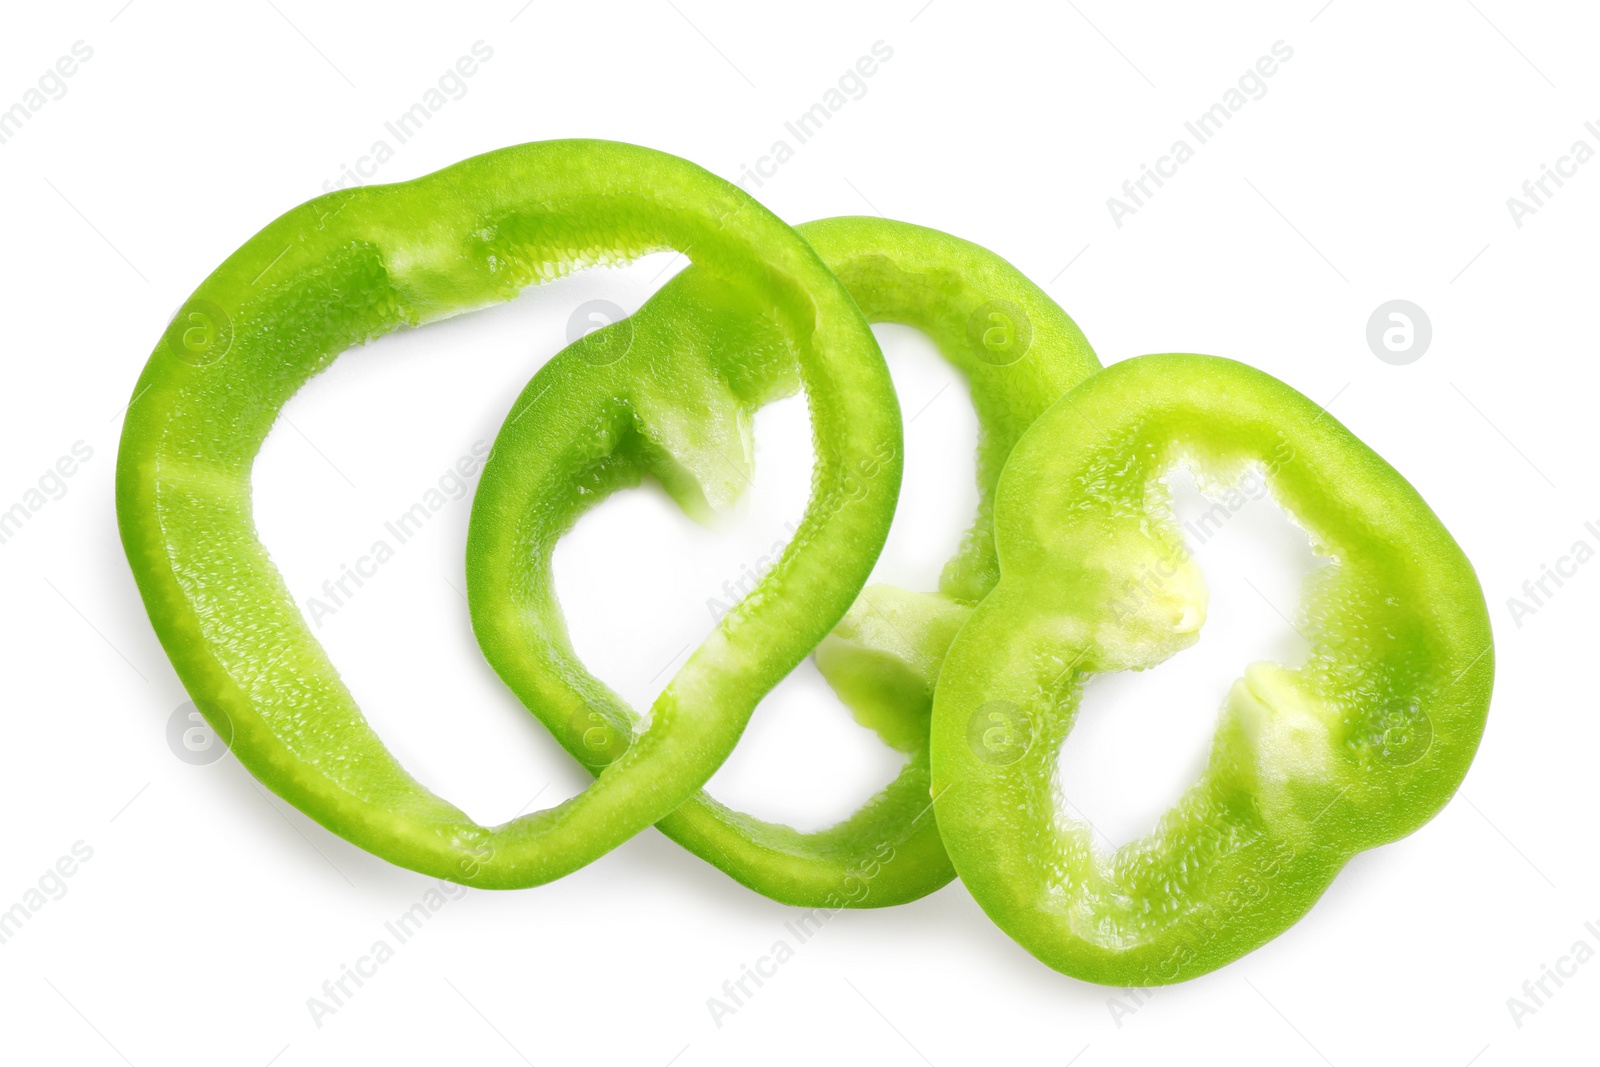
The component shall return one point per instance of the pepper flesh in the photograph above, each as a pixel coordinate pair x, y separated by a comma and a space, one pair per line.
1017, 350
1311, 764
1357, 747
348, 267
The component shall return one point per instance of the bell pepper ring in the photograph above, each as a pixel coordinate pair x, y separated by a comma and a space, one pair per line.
1073, 566
1017, 350
345, 268
1358, 746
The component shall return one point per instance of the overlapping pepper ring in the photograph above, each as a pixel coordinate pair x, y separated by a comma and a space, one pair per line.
1357, 747
358, 263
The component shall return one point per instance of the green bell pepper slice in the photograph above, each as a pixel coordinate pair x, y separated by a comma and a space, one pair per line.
1310, 764
355, 264
1017, 350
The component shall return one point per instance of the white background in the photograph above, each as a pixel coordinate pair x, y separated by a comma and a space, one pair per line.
1377, 166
